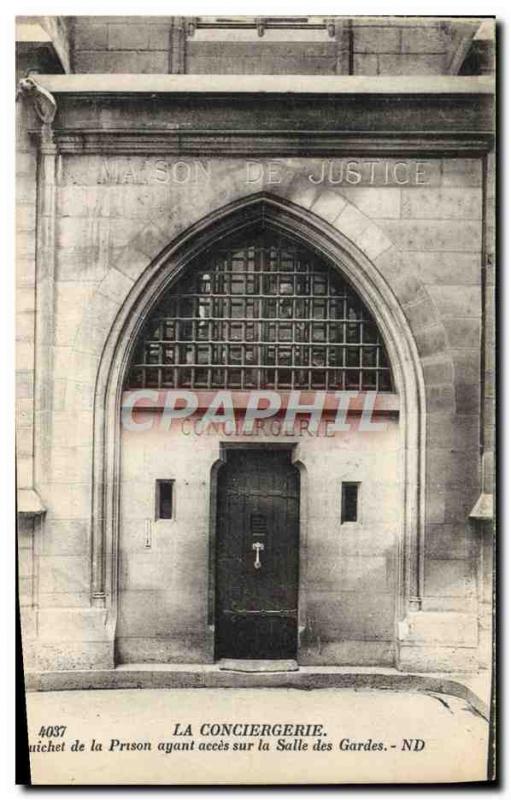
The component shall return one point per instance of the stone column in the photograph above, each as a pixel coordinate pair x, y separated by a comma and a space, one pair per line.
45, 108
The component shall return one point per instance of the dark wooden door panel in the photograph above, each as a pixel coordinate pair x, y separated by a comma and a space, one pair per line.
257, 556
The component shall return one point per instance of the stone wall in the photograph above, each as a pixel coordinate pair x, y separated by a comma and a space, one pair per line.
400, 47
116, 214
26, 212
348, 573
122, 44
391, 46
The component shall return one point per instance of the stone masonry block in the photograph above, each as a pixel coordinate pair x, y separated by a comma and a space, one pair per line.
365, 64
123, 61
130, 262
127, 19
450, 235
411, 64
187, 648
376, 39
25, 247
82, 232
457, 301
373, 242
435, 505
116, 285
25, 591
431, 340
421, 313
460, 500
159, 37
452, 431
123, 36
68, 625
95, 324
25, 563
158, 613
25, 272
443, 203
90, 35
28, 623
437, 268
24, 441
409, 289
66, 537
453, 577
435, 658
78, 655
468, 398
79, 395
64, 573
390, 264
25, 189
444, 464
64, 600
303, 193
463, 332
24, 384
68, 501
375, 202
352, 223
462, 172
84, 366
71, 464
449, 541
438, 370
72, 300
25, 217
445, 628
328, 205
424, 39
25, 326
86, 264
24, 410
150, 240
25, 300
25, 164
440, 398
25, 356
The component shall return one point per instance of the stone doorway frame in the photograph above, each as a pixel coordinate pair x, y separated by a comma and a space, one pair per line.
316, 234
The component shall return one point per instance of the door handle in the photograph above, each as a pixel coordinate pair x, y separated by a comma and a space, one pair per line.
257, 546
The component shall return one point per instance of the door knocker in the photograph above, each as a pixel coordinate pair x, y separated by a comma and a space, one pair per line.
257, 546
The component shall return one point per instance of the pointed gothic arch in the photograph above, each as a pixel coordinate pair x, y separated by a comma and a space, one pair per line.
281, 216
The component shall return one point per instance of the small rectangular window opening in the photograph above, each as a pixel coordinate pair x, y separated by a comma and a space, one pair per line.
164, 499
349, 502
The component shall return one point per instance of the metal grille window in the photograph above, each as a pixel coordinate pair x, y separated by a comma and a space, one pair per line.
262, 313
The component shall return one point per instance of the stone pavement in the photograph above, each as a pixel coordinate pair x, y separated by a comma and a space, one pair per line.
234, 736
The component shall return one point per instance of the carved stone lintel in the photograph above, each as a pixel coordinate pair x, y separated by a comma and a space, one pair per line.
45, 106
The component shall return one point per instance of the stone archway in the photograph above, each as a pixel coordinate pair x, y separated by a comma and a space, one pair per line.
350, 255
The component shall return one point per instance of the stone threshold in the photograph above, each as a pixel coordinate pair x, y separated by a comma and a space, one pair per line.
258, 665
474, 688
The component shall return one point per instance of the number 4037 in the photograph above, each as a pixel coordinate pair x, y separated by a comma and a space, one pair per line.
52, 730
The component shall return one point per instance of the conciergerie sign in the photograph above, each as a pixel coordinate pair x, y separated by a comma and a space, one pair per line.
255, 412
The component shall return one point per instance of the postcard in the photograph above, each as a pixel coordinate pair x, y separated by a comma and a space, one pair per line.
256, 398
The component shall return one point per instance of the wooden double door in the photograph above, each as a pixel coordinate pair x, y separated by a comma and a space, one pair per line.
257, 555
